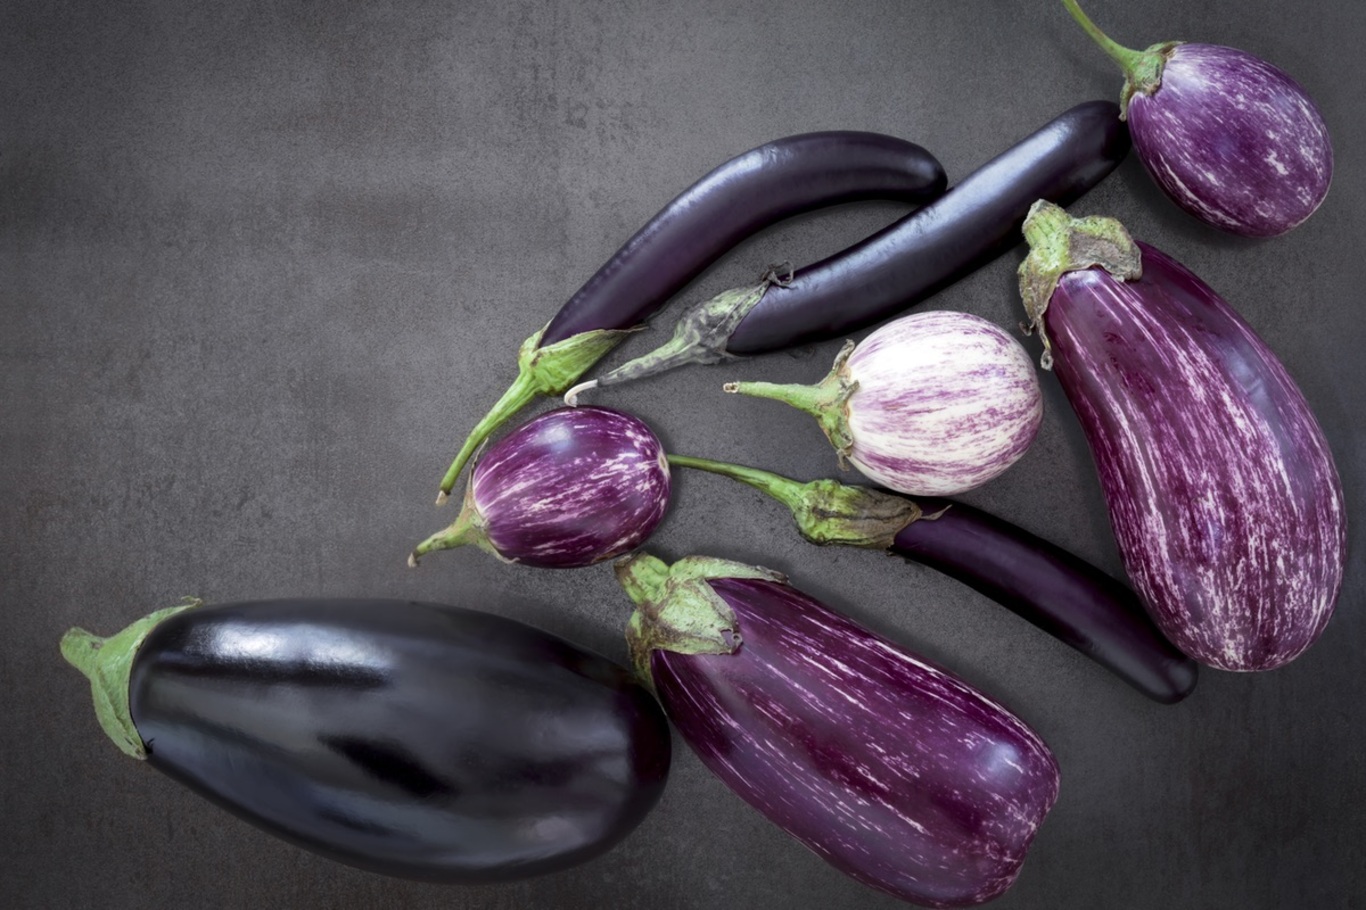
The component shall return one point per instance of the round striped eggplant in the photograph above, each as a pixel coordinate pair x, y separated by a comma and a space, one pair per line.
891, 769
1222, 492
1230, 138
930, 404
570, 488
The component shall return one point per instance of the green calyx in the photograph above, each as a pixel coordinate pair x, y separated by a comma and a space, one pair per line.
107, 663
546, 370
466, 530
1142, 69
827, 512
827, 400
1059, 243
677, 610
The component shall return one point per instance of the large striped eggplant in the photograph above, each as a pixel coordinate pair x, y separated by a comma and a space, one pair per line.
1222, 491
570, 488
1230, 138
931, 404
893, 770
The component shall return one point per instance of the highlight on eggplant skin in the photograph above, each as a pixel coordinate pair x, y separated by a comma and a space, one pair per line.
570, 488
751, 191
1229, 137
891, 769
414, 740
1222, 491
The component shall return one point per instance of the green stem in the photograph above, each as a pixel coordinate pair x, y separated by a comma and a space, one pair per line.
643, 577
1142, 69
519, 395
826, 511
1127, 58
108, 663
827, 400
468, 528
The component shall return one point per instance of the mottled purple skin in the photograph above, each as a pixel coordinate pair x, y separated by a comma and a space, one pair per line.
895, 772
1233, 140
572, 487
1224, 499
945, 402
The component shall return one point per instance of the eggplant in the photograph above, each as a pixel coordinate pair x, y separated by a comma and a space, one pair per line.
1229, 137
777, 180
930, 404
891, 769
410, 739
1222, 491
903, 264
570, 488
1055, 590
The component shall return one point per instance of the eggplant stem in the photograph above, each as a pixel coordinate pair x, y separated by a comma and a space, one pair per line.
1126, 57
1142, 69
468, 528
827, 400
521, 393
784, 489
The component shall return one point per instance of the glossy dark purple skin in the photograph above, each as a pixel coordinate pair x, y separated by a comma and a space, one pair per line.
414, 740
749, 192
1063, 595
1233, 140
971, 224
894, 771
572, 487
1224, 499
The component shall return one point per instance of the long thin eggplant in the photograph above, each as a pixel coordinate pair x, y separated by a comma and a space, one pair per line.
1055, 590
903, 264
1222, 492
893, 770
749, 192
410, 739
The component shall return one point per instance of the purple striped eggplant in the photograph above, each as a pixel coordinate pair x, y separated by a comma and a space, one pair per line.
891, 769
570, 488
749, 192
1228, 137
1222, 491
930, 404
1058, 592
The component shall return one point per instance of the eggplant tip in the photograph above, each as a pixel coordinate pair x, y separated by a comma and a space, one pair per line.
441, 498
731, 387
412, 560
571, 398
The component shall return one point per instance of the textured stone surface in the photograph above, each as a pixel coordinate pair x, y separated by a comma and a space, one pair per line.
262, 266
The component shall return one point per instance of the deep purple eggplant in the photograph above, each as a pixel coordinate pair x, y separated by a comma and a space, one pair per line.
570, 488
893, 770
931, 404
1221, 488
903, 264
1228, 137
1058, 592
410, 739
777, 180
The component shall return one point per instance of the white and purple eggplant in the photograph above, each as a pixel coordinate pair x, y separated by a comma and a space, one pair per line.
1222, 491
893, 770
570, 488
1228, 137
931, 404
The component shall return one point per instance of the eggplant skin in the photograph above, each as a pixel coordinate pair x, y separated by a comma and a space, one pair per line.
410, 739
1224, 499
894, 771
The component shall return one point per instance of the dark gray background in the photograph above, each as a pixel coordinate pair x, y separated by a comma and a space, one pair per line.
262, 265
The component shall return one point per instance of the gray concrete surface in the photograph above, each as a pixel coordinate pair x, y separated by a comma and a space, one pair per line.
263, 264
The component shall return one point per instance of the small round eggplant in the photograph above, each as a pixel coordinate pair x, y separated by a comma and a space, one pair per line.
931, 404
1225, 502
411, 739
1228, 137
893, 770
570, 488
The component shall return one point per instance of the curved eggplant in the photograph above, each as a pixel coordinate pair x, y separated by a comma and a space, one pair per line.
1227, 136
749, 192
1224, 499
410, 739
903, 264
1058, 592
893, 770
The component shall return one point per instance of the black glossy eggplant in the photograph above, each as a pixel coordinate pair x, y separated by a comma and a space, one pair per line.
903, 264
1055, 590
777, 180
410, 739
